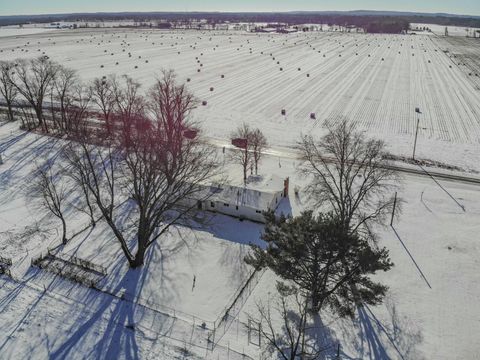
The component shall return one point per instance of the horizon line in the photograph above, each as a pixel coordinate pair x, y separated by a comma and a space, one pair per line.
414, 13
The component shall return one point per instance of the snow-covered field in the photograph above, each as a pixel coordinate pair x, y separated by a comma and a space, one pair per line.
7, 32
377, 81
452, 30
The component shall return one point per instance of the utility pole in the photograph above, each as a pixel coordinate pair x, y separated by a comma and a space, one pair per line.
417, 110
393, 209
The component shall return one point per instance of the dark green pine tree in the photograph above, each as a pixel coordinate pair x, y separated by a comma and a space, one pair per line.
332, 268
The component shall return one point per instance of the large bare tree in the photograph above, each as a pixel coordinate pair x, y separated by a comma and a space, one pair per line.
149, 166
32, 78
7, 89
349, 174
170, 105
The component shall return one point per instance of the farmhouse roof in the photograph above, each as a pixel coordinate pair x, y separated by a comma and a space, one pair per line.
259, 192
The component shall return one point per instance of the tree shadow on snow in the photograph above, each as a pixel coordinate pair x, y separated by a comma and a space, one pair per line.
117, 339
395, 338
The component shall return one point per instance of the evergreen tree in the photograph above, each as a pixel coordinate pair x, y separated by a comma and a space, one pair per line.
330, 265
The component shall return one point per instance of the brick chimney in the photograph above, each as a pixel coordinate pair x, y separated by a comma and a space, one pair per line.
286, 184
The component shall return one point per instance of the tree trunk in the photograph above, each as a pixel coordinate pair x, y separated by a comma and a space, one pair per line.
139, 258
41, 121
64, 231
317, 302
10, 111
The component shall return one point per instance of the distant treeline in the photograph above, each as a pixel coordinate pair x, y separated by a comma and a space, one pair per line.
372, 22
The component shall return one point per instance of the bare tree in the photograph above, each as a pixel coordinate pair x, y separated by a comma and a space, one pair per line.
63, 96
286, 329
53, 193
77, 109
241, 138
250, 143
349, 174
7, 89
80, 131
103, 95
32, 78
170, 105
258, 143
149, 165
128, 101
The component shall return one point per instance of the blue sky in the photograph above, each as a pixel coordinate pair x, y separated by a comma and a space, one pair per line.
17, 7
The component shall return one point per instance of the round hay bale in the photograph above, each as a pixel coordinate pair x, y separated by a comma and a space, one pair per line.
204, 103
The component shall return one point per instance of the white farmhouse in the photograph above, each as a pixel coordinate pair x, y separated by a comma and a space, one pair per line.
246, 202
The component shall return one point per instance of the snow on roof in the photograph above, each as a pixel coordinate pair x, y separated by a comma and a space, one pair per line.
238, 196
259, 192
272, 183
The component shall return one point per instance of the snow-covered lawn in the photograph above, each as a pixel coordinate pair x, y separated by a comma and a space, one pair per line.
431, 311
212, 253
